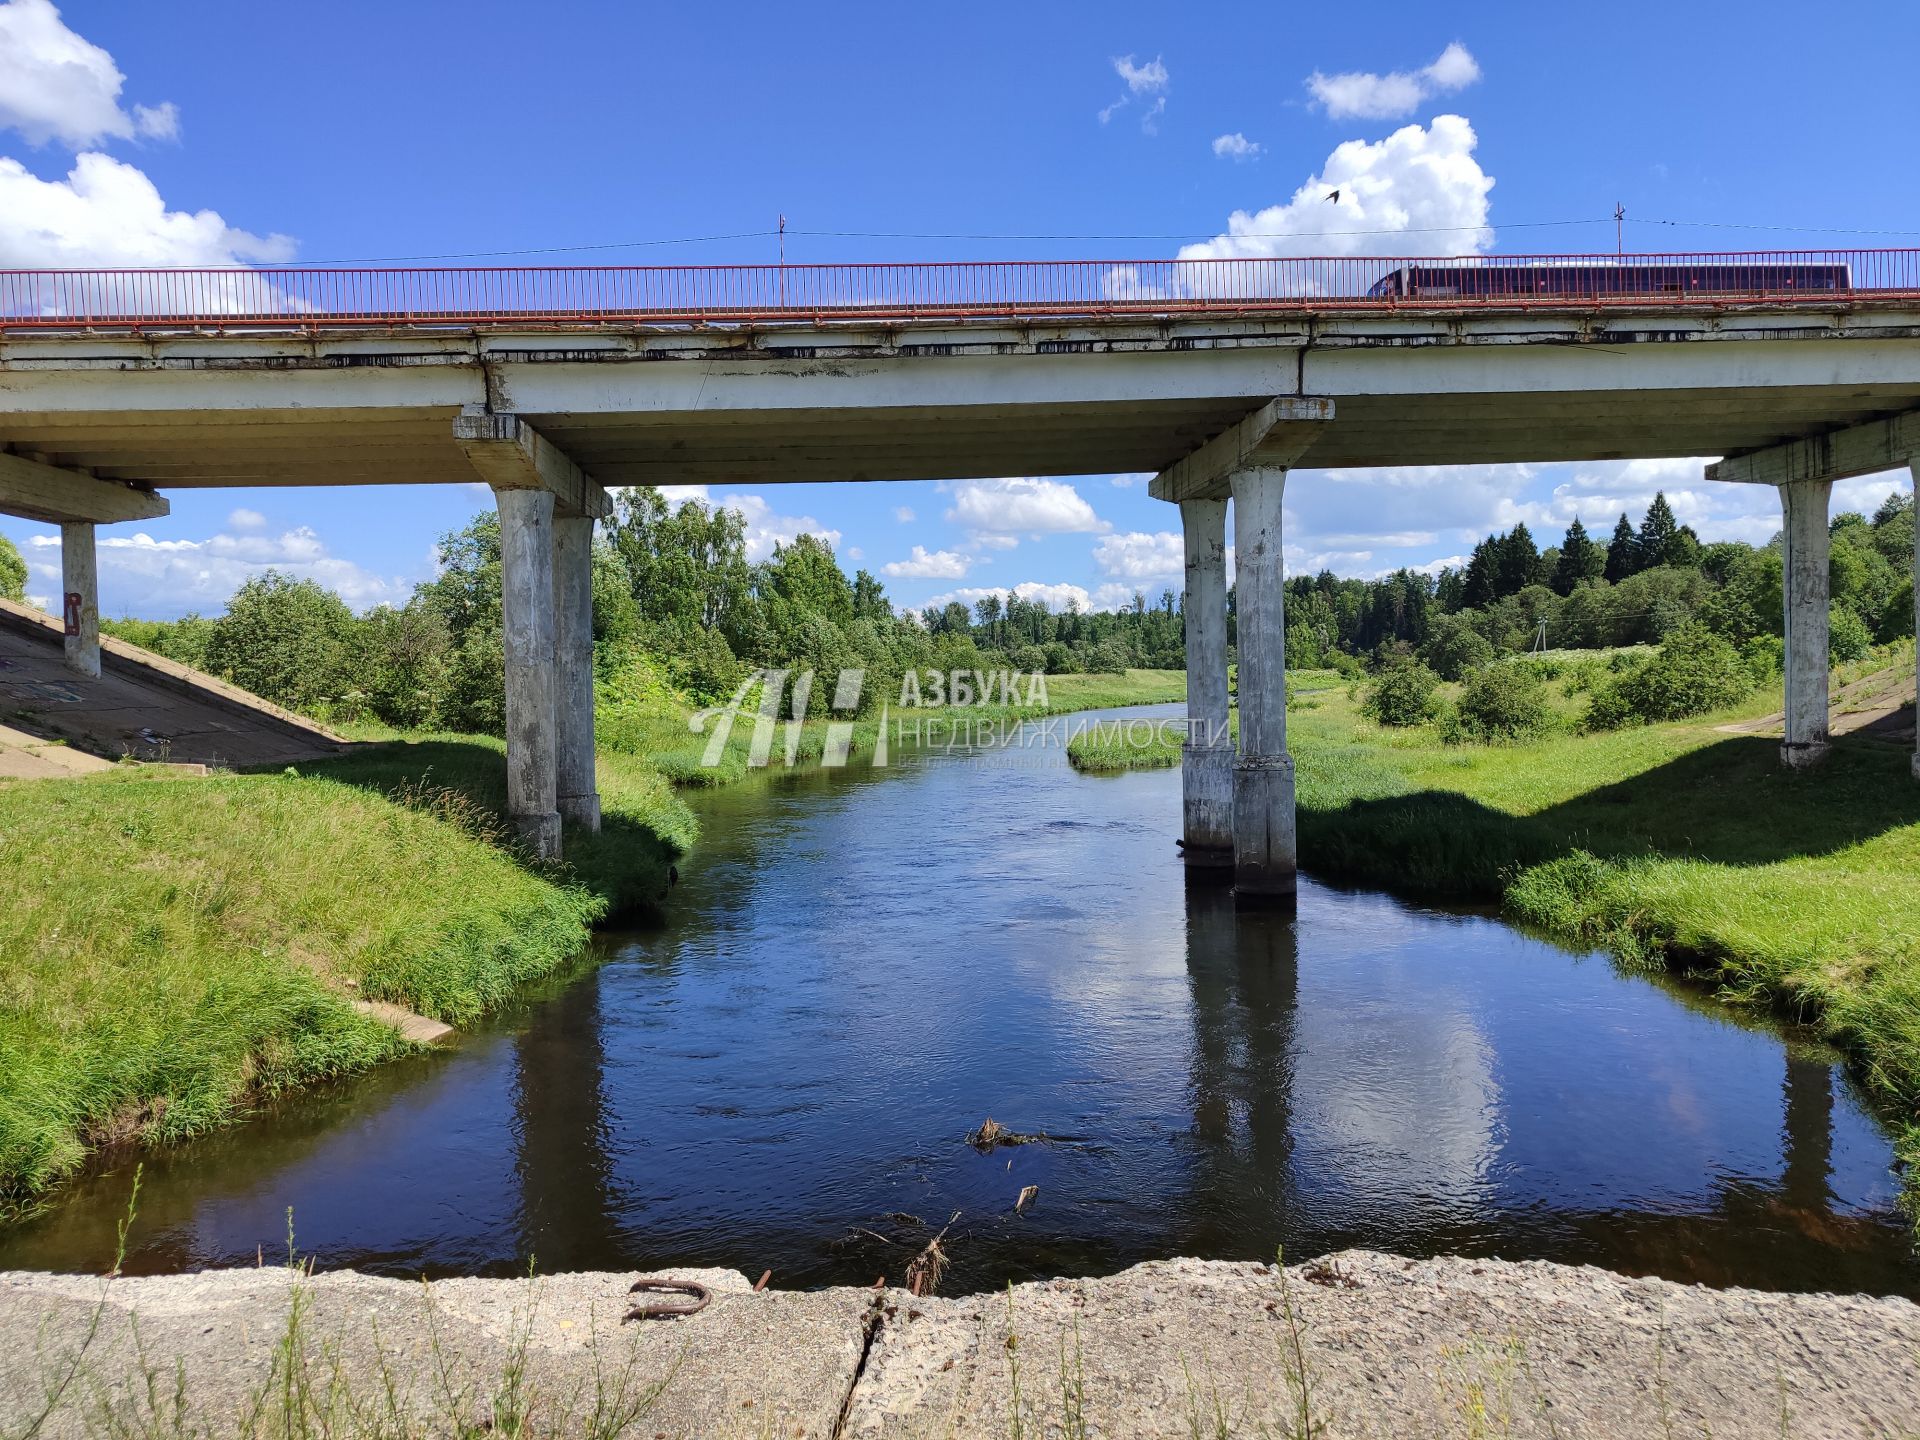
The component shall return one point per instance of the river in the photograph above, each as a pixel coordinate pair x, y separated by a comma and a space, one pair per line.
861, 965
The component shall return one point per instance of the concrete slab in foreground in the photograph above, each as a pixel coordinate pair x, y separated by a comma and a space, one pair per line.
1359, 1345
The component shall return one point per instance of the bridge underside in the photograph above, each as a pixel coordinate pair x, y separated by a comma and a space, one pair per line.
1218, 410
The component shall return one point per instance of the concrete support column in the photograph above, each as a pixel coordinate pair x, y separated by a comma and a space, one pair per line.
1804, 591
80, 582
1264, 844
577, 796
1206, 759
526, 603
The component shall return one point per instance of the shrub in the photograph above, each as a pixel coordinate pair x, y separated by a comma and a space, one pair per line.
1847, 635
1765, 657
1109, 657
1454, 647
1694, 671
1504, 701
1402, 693
286, 640
13, 572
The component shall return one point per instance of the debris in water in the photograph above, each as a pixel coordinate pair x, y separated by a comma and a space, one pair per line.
992, 1133
923, 1275
1027, 1197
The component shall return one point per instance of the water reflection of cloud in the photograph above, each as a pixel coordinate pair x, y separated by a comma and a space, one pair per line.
1395, 1104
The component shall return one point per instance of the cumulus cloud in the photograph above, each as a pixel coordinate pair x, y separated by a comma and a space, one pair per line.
245, 519
1235, 147
1342, 519
765, 528
980, 540
1362, 95
107, 212
54, 85
925, 565
1418, 179
1143, 81
1137, 556
141, 575
1021, 505
903, 513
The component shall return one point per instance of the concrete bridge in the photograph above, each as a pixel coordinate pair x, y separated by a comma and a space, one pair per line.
1219, 377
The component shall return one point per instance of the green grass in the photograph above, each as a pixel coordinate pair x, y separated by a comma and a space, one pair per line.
1671, 845
175, 949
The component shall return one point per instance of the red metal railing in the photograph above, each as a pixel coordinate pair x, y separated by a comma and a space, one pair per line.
1055, 290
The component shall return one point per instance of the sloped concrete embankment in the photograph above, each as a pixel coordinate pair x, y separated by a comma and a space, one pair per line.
1361, 1345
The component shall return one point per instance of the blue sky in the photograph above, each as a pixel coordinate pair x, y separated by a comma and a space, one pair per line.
197, 132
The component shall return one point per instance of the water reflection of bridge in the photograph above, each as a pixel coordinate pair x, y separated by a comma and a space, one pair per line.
1252, 1191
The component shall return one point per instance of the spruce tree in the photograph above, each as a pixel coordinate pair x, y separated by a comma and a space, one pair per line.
1481, 587
1655, 544
1579, 559
1623, 553
1519, 561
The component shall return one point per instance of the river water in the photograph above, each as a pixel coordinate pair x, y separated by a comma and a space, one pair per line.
861, 965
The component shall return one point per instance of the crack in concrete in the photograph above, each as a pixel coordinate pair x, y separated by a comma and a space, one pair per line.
870, 1325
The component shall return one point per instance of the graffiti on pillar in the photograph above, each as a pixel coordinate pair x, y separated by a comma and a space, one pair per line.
73, 612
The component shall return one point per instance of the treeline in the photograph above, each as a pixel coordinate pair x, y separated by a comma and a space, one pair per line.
1646, 582
673, 592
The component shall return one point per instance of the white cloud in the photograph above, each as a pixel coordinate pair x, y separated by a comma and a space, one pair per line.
107, 212
1142, 80
1362, 95
980, 540
764, 527
903, 513
245, 519
1147, 79
158, 122
142, 576
937, 565
1022, 505
1416, 180
1236, 147
1137, 556
54, 85
1055, 597
1127, 482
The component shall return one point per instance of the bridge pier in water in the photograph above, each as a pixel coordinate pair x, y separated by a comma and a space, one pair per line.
577, 796
1206, 759
1265, 844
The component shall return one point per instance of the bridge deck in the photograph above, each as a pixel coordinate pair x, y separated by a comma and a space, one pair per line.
768, 374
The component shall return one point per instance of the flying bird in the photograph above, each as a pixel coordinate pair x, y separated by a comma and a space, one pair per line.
1334, 196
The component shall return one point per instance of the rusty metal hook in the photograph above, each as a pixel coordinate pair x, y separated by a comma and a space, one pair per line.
702, 1297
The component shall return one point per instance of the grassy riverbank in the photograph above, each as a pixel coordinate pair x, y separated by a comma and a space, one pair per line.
1675, 845
179, 949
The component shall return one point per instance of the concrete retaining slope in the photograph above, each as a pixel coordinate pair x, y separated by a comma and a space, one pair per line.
1386, 1346
142, 706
